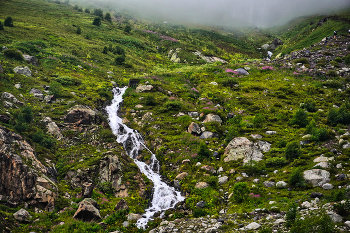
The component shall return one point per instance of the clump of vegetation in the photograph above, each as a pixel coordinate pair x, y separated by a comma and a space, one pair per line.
303, 60
78, 30
97, 21
319, 223
127, 28
99, 13
296, 178
347, 59
293, 150
108, 17
240, 192
203, 153
8, 22
299, 118
14, 54
1, 26
339, 115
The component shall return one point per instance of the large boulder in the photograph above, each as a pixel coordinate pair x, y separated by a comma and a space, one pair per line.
23, 70
88, 211
31, 59
10, 97
80, 114
212, 118
207, 135
19, 181
242, 148
242, 71
22, 215
317, 177
143, 88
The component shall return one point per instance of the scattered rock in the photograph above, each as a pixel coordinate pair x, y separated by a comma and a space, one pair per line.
252, 226
181, 176
121, 205
134, 217
269, 184
88, 189
327, 186
201, 185
201, 204
194, 128
207, 134
23, 70
242, 71
270, 132
223, 180
335, 217
31, 59
281, 184
52, 128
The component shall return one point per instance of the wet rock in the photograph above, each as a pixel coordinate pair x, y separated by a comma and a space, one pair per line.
143, 88
212, 118
316, 177
31, 59
121, 205
134, 217
88, 211
201, 185
201, 204
80, 114
23, 70
177, 184
194, 128
22, 215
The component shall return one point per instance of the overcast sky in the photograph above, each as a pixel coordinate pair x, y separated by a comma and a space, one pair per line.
260, 13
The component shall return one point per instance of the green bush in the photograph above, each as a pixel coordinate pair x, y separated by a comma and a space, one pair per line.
171, 106
229, 82
318, 223
1, 26
8, 22
13, 53
99, 13
118, 50
108, 17
291, 214
240, 192
258, 120
127, 29
347, 59
203, 152
106, 187
332, 73
56, 89
27, 114
119, 60
199, 213
78, 30
213, 181
340, 115
296, 178
342, 209
150, 100
254, 168
309, 105
68, 81
275, 162
105, 50
302, 60
87, 10
299, 118
293, 150
97, 21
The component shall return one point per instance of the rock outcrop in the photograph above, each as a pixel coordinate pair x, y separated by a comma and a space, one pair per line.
31, 59
317, 177
23, 70
52, 128
20, 182
80, 114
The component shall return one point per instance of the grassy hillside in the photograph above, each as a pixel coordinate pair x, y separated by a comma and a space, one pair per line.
310, 115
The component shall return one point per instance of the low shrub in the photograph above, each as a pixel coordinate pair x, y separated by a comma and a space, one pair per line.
339, 115
302, 60
254, 168
13, 54
68, 81
299, 118
293, 150
318, 223
275, 162
347, 59
240, 192
8, 22
296, 178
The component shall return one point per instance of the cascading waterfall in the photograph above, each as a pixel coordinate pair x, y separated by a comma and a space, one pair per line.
164, 196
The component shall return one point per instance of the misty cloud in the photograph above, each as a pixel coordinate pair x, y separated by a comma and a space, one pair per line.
260, 13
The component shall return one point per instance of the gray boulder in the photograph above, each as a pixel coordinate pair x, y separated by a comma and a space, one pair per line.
88, 211
335, 217
23, 70
252, 226
207, 134
265, 46
22, 215
143, 88
223, 180
242, 71
201, 204
316, 177
269, 184
80, 114
134, 217
10, 97
281, 184
52, 128
31, 59
327, 186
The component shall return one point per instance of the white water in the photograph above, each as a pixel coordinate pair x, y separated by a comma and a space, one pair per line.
164, 196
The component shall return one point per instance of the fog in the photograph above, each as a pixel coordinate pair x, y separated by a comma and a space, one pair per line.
261, 13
